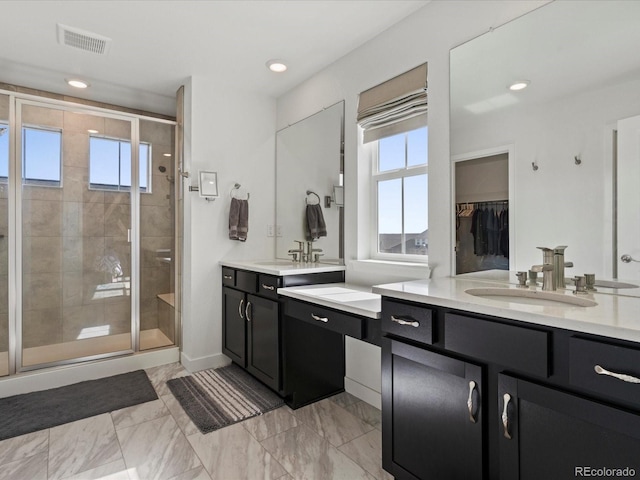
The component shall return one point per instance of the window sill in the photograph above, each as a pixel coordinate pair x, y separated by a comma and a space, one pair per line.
409, 269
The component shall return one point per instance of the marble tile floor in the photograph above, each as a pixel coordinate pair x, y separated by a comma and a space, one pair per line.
336, 438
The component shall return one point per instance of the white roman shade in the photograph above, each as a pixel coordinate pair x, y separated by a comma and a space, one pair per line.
395, 106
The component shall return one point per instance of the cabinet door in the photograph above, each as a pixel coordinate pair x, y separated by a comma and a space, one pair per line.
554, 434
234, 325
263, 340
432, 415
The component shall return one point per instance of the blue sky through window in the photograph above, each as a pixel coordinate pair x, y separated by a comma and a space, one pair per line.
398, 152
41, 154
110, 163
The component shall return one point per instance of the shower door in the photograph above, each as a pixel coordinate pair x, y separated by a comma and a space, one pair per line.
76, 195
4, 234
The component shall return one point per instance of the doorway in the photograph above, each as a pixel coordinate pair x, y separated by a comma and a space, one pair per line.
482, 237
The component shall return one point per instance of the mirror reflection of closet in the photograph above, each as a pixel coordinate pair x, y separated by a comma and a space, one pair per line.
482, 214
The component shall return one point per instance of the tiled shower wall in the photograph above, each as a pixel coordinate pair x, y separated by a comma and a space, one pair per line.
157, 219
73, 236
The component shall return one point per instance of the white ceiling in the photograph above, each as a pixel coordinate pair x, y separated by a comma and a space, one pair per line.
158, 44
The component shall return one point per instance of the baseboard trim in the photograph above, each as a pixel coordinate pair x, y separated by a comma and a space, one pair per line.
66, 375
203, 363
363, 392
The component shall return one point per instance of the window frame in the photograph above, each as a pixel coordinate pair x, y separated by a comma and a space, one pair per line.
399, 173
120, 188
23, 163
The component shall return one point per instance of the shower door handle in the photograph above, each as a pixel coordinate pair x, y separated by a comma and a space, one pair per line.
128, 235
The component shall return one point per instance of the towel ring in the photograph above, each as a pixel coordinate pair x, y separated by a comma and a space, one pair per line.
236, 187
309, 192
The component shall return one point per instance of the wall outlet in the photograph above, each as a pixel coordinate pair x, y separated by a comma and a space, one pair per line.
278, 230
270, 230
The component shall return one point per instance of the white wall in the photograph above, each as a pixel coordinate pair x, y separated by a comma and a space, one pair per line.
426, 36
233, 133
561, 203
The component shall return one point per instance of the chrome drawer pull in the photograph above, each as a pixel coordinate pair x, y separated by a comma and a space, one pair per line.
246, 311
240, 309
505, 416
228, 277
620, 376
319, 319
472, 387
268, 287
404, 322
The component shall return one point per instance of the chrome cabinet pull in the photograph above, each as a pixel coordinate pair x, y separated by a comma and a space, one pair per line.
505, 416
472, 387
404, 322
240, 309
319, 319
228, 277
246, 311
620, 376
268, 287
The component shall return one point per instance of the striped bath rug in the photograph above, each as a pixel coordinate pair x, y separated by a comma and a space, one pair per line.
223, 396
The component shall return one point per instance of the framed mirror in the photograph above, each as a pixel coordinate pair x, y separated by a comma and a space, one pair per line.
580, 65
309, 158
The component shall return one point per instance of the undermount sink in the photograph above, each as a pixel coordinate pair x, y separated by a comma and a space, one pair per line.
614, 284
531, 297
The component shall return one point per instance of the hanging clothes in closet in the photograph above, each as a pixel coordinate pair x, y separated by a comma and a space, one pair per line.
490, 228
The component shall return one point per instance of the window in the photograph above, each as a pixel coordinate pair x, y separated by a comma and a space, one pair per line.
41, 157
400, 192
110, 164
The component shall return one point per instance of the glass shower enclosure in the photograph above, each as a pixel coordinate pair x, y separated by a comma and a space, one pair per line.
87, 235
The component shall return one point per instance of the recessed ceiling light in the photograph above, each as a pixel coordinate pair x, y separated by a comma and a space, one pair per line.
519, 85
277, 66
166, 154
91, 130
74, 82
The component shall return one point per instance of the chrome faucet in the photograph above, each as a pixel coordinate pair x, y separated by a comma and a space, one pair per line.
547, 269
559, 265
313, 254
297, 254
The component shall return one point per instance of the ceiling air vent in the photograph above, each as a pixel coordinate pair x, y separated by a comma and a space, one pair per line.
87, 41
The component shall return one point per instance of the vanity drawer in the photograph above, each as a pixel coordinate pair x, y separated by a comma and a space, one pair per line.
247, 281
228, 277
414, 322
518, 348
268, 286
333, 320
584, 355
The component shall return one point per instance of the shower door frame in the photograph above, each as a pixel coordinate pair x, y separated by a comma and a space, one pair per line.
15, 227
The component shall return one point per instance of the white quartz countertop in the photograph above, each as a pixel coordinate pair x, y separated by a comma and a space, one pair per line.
614, 316
340, 296
282, 267
628, 288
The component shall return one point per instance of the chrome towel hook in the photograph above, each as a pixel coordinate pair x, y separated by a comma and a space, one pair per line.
310, 192
237, 186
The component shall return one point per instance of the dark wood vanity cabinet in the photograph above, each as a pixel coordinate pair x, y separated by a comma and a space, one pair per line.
541, 410
433, 422
252, 320
314, 349
251, 328
550, 433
